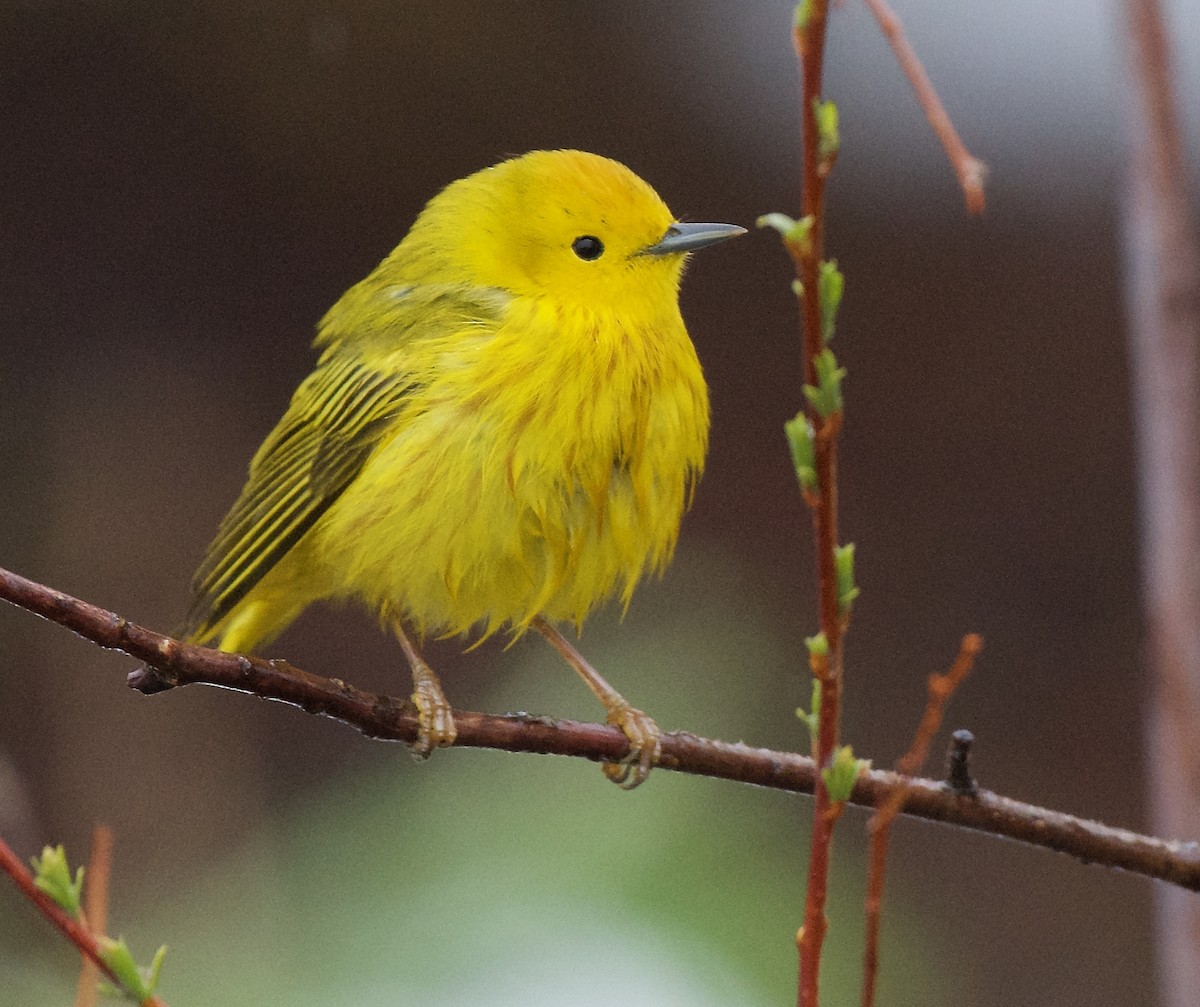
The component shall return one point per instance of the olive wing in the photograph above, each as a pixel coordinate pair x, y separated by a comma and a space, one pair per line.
337, 418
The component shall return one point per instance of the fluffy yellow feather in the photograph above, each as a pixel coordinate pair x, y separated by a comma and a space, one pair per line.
504, 425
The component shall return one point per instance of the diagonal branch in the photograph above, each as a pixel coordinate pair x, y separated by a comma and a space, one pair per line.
75, 930
171, 663
970, 170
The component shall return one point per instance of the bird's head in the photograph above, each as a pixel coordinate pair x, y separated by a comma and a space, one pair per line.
562, 224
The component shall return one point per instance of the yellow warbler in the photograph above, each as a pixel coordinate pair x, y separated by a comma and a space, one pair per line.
502, 430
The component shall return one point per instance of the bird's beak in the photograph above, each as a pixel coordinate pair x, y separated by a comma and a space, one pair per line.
689, 237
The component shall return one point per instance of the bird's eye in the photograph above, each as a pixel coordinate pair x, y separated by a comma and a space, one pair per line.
588, 247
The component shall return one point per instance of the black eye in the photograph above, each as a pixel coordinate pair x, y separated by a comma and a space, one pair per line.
588, 247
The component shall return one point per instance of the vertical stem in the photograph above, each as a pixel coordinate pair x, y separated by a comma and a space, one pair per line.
1163, 296
810, 51
96, 910
938, 692
809, 41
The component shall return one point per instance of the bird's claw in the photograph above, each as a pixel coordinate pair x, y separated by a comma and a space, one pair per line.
435, 719
645, 747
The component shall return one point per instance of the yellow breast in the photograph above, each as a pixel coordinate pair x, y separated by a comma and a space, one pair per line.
540, 472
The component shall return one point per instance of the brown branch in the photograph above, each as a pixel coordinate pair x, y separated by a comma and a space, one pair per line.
940, 689
1162, 266
970, 170
172, 663
76, 931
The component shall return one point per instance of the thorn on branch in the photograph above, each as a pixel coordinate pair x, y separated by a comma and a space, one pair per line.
958, 764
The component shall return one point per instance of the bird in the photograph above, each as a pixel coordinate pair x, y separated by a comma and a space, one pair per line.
503, 430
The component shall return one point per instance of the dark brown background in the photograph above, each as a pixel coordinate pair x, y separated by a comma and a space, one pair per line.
183, 194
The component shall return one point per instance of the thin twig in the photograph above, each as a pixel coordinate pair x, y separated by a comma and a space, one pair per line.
1162, 266
77, 932
95, 897
171, 663
940, 689
970, 170
808, 38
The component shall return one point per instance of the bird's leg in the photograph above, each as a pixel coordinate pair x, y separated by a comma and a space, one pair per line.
645, 739
435, 718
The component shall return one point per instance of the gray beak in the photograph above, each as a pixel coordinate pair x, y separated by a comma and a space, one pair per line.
689, 237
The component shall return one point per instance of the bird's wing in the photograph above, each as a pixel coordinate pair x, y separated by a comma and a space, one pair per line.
338, 416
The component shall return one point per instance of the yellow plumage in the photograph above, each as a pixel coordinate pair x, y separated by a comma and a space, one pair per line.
501, 424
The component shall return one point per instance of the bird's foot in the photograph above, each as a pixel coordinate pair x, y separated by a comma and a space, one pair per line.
645, 746
435, 717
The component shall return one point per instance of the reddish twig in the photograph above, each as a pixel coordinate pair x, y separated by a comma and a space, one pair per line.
95, 897
809, 41
808, 253
71, 928
1162, 265
940, 689
970, 170
171, 664
76, 931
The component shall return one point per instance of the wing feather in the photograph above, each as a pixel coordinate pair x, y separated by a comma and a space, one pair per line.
339, 413
337, 418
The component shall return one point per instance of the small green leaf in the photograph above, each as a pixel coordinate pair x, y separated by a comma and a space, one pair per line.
818, 646
796, 232
843, 559
828, 139
800, 438
155, 969
840, 774
781, 222
802, 15
798, 288
135, 982
826, 397
117, 956
812, 719
52, 875
830, 285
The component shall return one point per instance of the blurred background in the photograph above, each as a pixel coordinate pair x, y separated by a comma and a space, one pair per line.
184, 191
